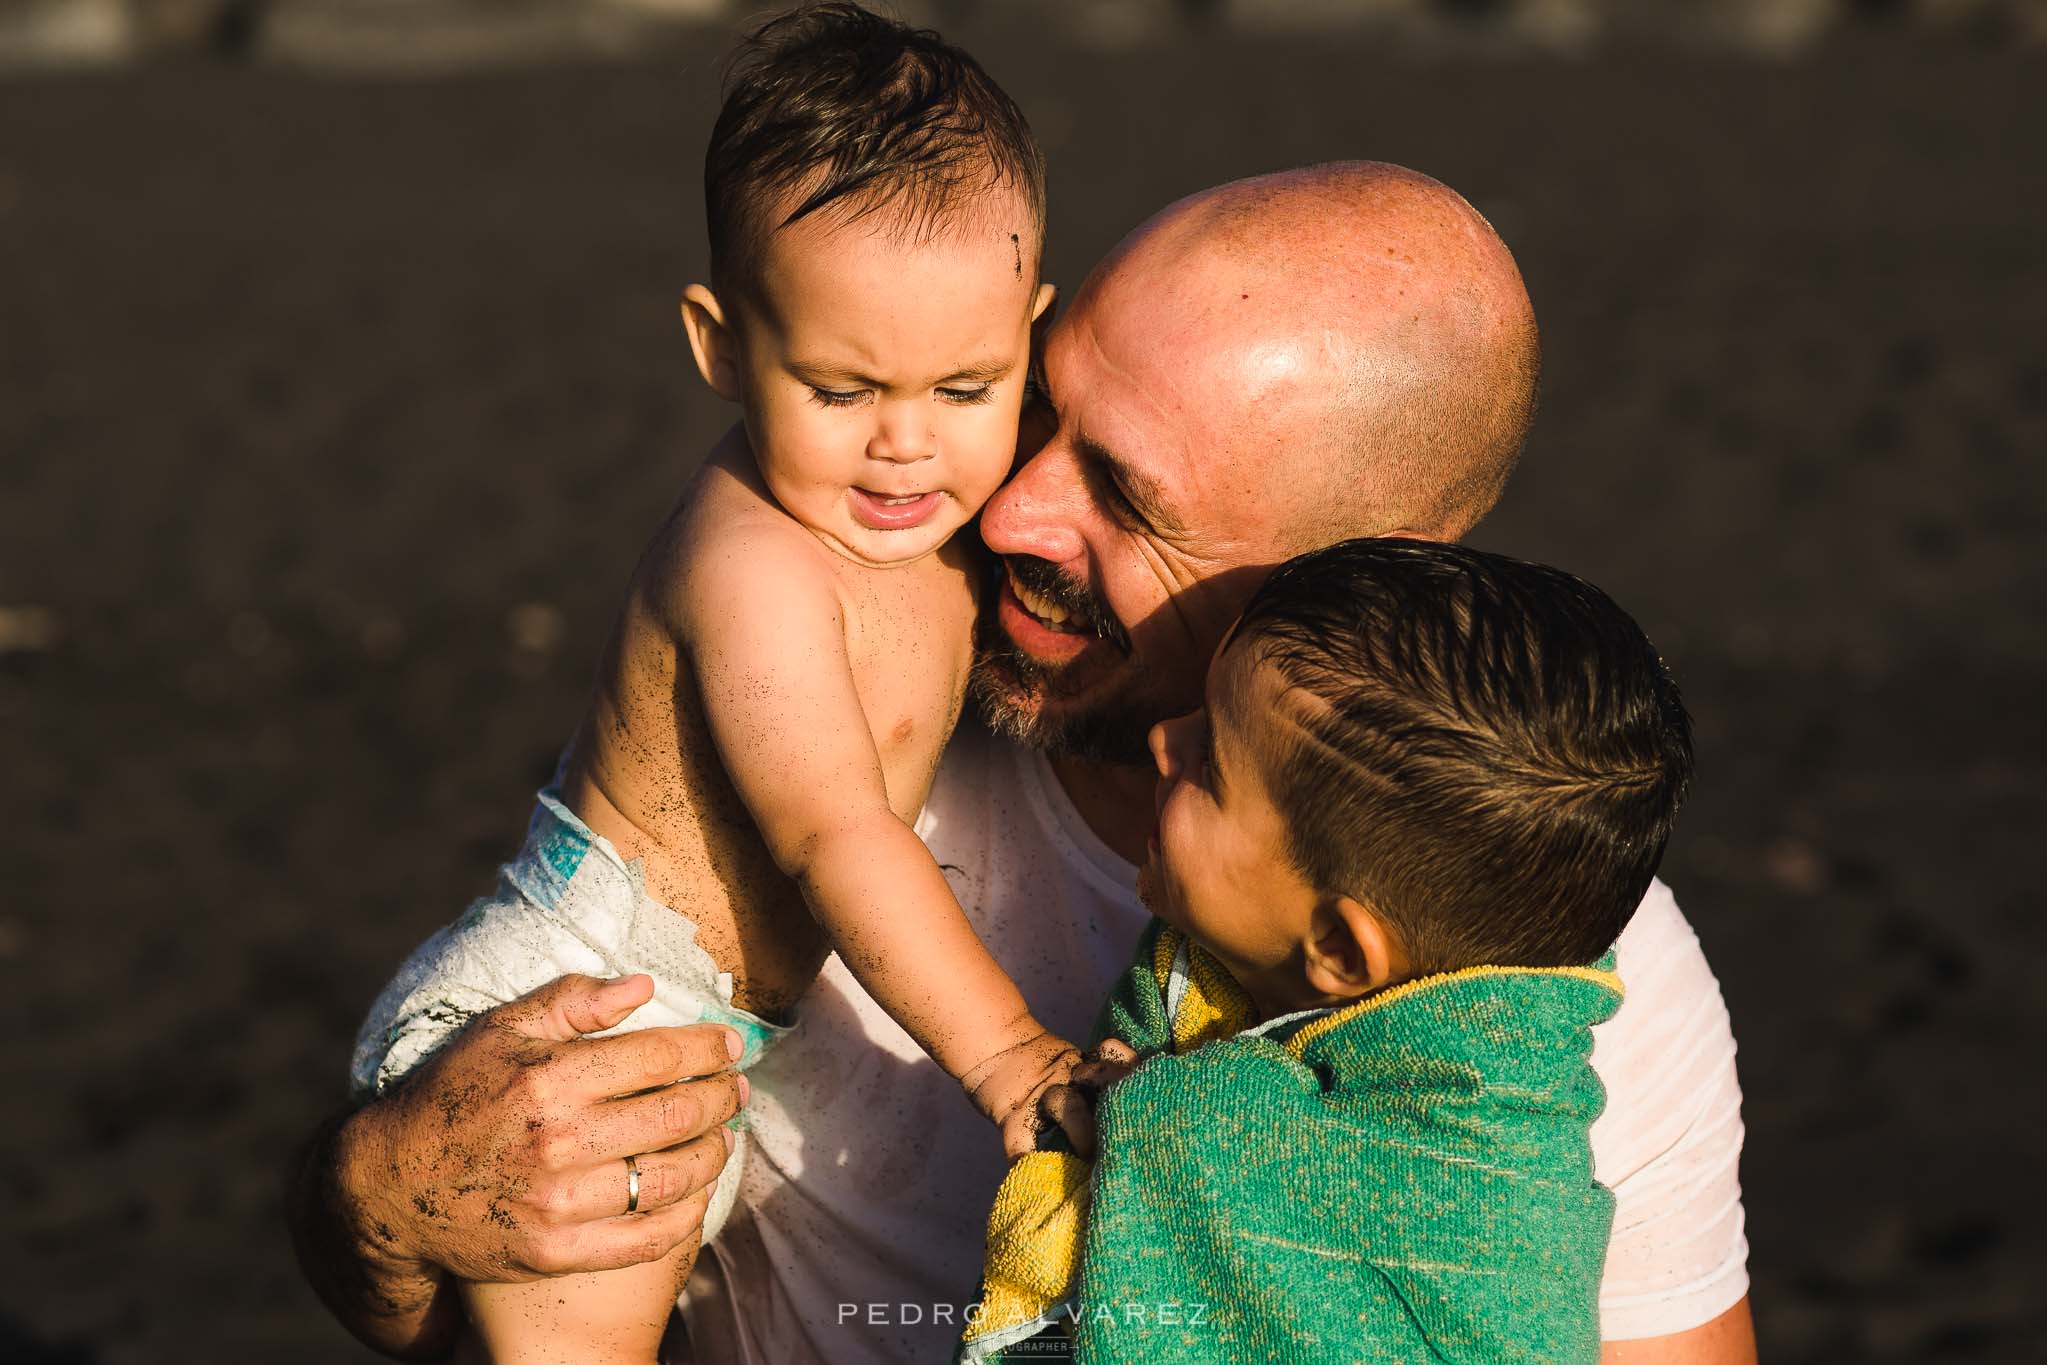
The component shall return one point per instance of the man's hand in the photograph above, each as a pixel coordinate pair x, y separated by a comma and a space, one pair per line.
1071, 1107
503, 1159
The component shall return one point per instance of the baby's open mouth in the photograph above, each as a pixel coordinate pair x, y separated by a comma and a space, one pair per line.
881, 511
1047, 612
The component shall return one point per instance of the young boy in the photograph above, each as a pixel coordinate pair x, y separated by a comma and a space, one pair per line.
791, 658
1426, 793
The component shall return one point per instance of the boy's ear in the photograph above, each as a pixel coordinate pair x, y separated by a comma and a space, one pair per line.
711, 341
1350, 952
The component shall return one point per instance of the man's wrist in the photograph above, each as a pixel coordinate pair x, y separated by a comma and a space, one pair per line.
353, 1250
360, 1174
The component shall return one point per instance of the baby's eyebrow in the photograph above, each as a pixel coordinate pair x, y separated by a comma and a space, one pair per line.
986, 372
982, 372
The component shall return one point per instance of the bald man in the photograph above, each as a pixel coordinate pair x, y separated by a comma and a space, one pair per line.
1260, 370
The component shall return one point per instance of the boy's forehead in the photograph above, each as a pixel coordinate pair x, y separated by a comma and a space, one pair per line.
1249, 696
1240, 681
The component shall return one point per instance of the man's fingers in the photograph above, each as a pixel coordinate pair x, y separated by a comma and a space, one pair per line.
630, 1239
571, 1006
1068, 1107
599, 1068
662, 1118
600, 1192
684, 1172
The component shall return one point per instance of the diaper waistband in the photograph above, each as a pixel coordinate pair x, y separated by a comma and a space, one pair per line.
560, 849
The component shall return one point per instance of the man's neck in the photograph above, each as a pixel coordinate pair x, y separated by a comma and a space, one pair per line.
1114, 800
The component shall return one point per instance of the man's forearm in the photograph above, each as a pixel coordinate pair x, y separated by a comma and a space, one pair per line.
403, 1309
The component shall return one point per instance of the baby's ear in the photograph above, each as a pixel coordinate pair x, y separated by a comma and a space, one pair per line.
1350, 952
1045, 306
711, 341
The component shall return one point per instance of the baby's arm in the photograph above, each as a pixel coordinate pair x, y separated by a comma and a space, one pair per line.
767, 638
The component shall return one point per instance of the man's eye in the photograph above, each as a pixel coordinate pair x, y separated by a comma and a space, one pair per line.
979, 394
1119, 504
837, 398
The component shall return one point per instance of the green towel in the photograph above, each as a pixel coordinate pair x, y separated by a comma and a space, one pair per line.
1405, 1178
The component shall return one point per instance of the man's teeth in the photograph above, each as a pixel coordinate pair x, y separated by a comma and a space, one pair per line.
1049, 612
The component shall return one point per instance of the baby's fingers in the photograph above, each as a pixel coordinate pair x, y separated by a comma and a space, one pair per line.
1020, 1131
1074, 1113
1112, 1050
1099, 1075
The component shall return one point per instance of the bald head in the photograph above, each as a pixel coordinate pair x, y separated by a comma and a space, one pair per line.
1374, 321
1261, 370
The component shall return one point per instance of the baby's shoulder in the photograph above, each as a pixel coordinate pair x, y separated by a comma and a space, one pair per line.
727, 542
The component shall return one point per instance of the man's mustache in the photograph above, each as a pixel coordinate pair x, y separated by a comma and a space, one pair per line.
1077, 599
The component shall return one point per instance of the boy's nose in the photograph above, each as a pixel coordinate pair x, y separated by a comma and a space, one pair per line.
1168, 741
1157, 742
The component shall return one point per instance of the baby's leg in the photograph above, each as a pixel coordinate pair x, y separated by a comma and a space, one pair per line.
610, 1317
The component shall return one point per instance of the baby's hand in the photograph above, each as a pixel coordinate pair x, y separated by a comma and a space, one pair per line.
1008, 1086
1072, 1106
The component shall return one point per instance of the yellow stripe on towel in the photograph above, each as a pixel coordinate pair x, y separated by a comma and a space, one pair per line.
1308, 1032
1034, 1239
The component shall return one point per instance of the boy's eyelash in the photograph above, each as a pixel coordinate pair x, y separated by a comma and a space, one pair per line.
965, 396
834, 398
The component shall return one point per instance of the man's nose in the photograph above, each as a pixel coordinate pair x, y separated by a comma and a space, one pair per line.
903, 434
1039, 511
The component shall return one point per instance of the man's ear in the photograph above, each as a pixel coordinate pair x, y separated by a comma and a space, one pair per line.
1350, 952
711, 341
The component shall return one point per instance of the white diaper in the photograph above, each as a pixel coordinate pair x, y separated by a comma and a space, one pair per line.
566, 903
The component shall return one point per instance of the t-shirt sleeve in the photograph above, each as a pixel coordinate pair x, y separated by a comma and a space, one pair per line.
1669, 1142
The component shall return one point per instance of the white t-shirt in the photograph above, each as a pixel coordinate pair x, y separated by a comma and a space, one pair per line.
858, 1233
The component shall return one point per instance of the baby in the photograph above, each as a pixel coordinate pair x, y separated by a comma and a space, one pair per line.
792, 654
1426, 793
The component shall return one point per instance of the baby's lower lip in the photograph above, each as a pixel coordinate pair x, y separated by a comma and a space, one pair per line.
880, 512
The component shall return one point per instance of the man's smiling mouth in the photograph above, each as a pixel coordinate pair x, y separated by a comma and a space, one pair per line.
1046, 612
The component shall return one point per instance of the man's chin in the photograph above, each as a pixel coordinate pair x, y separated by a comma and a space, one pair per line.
1044, 710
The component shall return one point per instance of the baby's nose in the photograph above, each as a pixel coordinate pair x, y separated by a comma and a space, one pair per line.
903, 437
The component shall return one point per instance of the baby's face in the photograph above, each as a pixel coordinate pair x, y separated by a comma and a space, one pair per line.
1217, 867
883, 375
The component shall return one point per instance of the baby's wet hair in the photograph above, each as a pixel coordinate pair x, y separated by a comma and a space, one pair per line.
855, 113
1488, 753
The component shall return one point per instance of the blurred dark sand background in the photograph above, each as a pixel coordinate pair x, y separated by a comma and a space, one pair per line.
335, 410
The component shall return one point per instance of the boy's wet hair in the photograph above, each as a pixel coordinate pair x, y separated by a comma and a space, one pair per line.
860, 113
1486, 752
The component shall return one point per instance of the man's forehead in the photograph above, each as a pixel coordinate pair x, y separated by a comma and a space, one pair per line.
1122, 413
1184, 406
